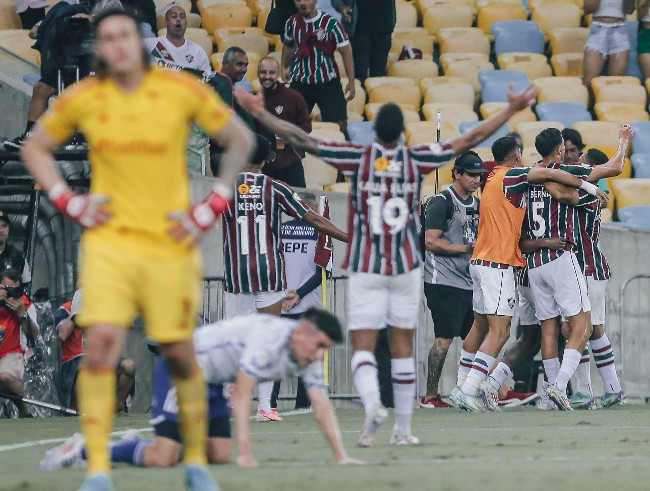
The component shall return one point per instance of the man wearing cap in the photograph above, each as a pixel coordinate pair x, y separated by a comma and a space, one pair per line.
10, 257
450, 228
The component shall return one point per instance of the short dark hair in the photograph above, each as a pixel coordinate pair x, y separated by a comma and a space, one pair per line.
504, 148
389, 123
324, 321
517, 136
547, 141
596, 157
573, 136
230, 52
261, 151
10, 274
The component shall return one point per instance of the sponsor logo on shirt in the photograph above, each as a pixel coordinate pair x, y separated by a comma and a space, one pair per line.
385, 166
279, 109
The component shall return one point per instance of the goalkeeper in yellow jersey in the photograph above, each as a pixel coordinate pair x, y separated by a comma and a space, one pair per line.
139, 253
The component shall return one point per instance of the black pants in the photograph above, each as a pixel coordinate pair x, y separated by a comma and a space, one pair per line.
31, 16
370, 50
294, 176
302, 398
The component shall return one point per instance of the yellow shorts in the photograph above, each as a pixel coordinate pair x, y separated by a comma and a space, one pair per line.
120, 282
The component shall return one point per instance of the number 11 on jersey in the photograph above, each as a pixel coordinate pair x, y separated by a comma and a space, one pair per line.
260, 220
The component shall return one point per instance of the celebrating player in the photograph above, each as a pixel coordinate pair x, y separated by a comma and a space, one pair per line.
383, 252
139, 253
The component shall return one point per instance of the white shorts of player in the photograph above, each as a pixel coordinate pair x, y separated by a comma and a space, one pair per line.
236, 304
375, 301
494, 291
559, 288
526, 306
596, 291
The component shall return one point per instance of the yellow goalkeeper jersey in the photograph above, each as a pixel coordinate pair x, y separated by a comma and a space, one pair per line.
138, 147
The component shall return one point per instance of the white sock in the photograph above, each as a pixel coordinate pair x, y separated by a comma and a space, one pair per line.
604, 356
570, 361
499, 375
480, 368
364, 374
403, 375
583, 375
264, 390
464, 366
552, 368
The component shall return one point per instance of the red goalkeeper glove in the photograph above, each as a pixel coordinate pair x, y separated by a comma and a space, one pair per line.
85, 209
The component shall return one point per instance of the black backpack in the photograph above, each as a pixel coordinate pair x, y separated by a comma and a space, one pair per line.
278, 16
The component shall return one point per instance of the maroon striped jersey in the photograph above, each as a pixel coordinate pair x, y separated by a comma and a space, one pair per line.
587, 248
252, 247
384, 206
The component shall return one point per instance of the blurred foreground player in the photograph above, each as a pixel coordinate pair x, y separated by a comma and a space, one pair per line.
143, 228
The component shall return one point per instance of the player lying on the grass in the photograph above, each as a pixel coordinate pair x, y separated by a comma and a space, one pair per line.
246, 350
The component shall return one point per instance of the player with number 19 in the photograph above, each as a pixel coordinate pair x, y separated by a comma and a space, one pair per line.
383, 254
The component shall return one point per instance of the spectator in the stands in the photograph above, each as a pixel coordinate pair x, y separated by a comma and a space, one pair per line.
608, 43
145, 11
643, 41
31, 12
10, 257
370, 24
290, 106
17, 316
572, 145
311, 38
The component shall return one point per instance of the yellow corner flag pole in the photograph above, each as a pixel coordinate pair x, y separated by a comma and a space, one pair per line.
326, 358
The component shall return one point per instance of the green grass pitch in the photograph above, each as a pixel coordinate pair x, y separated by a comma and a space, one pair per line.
522, 449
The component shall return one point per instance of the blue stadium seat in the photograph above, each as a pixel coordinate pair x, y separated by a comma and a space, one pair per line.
501, 132
641, 137
565, 112
517, 36
635, 216
641, 165
496, 83
633, 69
362, 133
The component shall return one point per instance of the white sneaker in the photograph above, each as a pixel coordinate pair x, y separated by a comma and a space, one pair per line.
371, 426
489, 395
545, 404
472, 404
559, 397
397, 439
132, 434
66, 455
454, 397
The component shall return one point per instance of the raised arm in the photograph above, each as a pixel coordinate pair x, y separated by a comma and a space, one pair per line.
324, 225
516, 102
614, 166
326, 418
296, 137
241, 409
543, 175
561, 193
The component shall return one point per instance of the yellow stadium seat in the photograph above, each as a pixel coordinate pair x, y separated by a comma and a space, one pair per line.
449, 115
631, 94
444, 174
193, 20
485, 153
416, 70
498, 11
525, 115
320, 125
554, 15
226, 15
598, 133
463, 40
568, 64
599, 83
631, 192
561, 91
469, 70
417, 37
334, 135
482, 3
530, 130
529, 156
447, 132
534, 69
372, 109
208, 3
445, 15
372, 83
462, 93
557, 82
423, 5
354, 116
224, 32
606, 215
318, 173
620, 112
506, 59
397, 93
427, 190
449, 58
425, 83
250, 43
17, 41
533, 4
568, 39
9, 19
407, 15
357, 104
430, 109
419, 127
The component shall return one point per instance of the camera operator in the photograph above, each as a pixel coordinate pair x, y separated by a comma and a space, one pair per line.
17, 314
62, 39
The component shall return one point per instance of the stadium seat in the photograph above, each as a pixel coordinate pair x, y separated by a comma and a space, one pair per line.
208, 3
568, 64
635, 216
565, 112
420, 127
469, 70
489, 108
425, 83
598, 83
641, 137
598, 133
409, 112
430, 109
224, 32
9, 19
506, 59
517, 36
444, 176
631, 192
462, 93
449, 114
446, 15
620, 112
554, 15
530, 156
193, 20
447, 132
332, 134
641, 165
18, 42
249, 42
226, 15
495, 84
501, 132
328, 126
632, 94
561, 89
397, 93
354, 116
529, 131
318, 173
417, 37
407, 15
533, 4
533, 69
447, 59
568, 39
463, 40
499, 11
413, 69
372, 83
